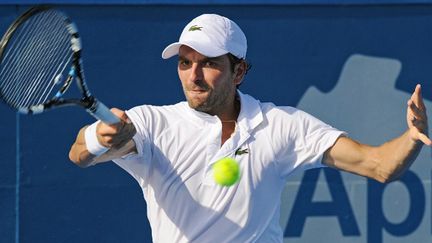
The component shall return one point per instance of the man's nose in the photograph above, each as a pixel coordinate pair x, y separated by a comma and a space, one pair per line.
196, 73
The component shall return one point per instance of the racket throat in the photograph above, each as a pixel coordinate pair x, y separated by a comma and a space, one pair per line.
88, 103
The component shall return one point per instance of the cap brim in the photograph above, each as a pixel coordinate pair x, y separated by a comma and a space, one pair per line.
173, 49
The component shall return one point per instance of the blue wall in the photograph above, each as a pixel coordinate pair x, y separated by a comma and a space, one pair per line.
298, 53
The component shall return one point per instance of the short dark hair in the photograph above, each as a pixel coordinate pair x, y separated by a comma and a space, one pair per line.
235, 60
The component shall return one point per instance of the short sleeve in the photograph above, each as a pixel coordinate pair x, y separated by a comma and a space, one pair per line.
305, 141
137, 164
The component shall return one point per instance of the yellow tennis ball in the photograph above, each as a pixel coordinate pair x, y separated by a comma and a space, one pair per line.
226, 171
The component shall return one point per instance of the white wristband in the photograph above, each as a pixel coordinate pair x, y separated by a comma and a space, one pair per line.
92, 142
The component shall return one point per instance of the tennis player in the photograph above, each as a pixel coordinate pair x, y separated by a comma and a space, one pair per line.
170, 149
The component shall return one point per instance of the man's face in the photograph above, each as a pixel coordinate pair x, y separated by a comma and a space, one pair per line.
208, 83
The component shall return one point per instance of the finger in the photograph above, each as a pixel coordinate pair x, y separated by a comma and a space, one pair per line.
102, 132
124, 136
414, 111
411, 114
417, 97
415, 93
120, 114
108, 130
425, 139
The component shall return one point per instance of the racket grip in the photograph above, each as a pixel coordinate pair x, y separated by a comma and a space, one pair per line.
101, 112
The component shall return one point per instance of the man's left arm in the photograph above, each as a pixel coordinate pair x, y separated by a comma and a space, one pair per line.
390, 160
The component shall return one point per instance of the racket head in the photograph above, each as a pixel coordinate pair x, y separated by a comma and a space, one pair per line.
38, 55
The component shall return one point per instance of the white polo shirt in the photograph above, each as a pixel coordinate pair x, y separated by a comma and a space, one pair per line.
177, 147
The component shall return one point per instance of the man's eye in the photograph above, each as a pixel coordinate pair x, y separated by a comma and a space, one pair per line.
210, 64
184, 63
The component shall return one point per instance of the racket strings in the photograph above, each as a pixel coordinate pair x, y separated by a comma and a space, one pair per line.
38, 91
16, 48
21, 46
28, 47
35, 60
25, 48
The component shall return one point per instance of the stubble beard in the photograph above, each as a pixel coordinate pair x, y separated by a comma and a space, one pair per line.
212, 103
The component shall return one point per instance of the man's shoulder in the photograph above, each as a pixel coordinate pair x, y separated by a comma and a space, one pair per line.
269, 108
251, 104
285, 115
178, 107
158, 114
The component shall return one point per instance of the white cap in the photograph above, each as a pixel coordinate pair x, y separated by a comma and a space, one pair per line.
211, 35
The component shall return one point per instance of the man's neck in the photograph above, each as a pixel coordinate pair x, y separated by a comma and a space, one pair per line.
229, 123
232, 113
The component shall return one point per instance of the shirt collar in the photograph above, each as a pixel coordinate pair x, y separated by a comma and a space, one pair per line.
250, 112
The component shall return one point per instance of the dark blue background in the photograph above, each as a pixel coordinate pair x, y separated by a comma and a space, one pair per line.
290, 47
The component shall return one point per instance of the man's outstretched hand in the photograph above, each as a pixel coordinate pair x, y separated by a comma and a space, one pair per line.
417, 117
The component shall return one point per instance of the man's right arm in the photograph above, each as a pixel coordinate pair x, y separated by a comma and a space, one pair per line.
116, 137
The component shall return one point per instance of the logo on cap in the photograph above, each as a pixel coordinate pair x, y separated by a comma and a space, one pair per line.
195, 27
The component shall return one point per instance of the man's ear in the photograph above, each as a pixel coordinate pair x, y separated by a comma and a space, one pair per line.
239, 72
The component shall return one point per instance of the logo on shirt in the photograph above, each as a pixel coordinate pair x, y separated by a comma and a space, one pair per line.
241, 151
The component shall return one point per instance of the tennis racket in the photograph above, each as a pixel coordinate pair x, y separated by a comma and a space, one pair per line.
40, 56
